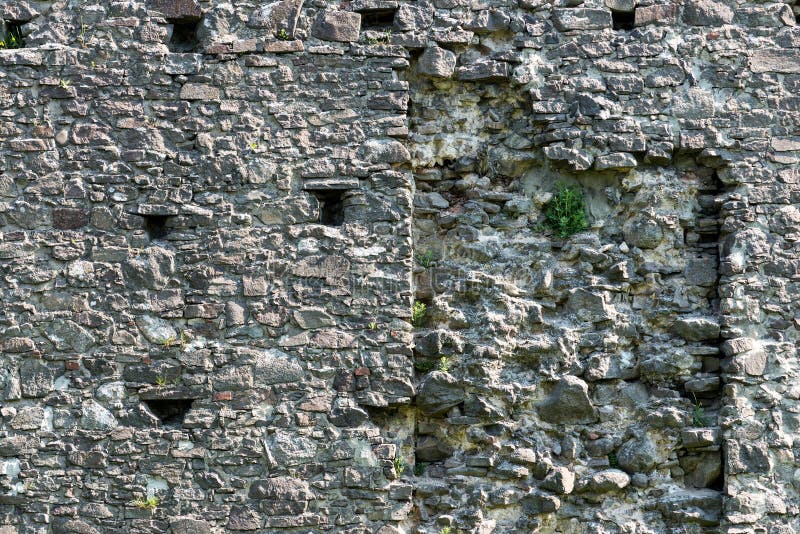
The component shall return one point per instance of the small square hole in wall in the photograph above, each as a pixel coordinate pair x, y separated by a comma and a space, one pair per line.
379, 19
12, 35
184, 36
171, 412
623, 20
331, 206
156, 226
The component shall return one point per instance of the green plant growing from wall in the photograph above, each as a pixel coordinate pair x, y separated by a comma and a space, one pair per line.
383, 39
419, 468
424, 366
283, 35
425, 259
698, 414
12, 38
565, 214
612, 460
161, 381
444, 364
150, 503
446, 530
418, 311
399, 466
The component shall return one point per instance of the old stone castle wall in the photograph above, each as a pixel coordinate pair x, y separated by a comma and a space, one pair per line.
217, 217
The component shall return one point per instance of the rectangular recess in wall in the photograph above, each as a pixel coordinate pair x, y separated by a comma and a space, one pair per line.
11, 36
171, 412
377, 19
156, 226
623, 20
331, 206
184, 36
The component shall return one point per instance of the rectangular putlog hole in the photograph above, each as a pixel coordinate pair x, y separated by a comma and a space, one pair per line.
623, 20
184, 36
12, 35
156, 226
331, 206
377, 19
171, 412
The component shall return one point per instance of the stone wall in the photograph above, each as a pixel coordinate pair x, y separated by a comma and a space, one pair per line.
216, 219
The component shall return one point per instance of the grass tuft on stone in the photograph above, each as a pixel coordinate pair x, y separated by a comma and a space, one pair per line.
565, 214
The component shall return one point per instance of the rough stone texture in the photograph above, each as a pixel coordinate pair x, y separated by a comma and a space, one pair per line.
210, 251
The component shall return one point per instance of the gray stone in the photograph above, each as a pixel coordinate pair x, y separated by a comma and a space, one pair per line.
276, 367
590, 306
568, 403
775, 60
437, 62
615, 161
156, 330
276, 16
432, 449
150, 268
410, 17
188, 525
36, 378
581, 19
609, 480
439, 392
67, 335
643, 231
706, 13
178, 10
341, 26
280, 488
309, 318
384, 151
559, 480
696, 328
638, 456
484, 70
96, 417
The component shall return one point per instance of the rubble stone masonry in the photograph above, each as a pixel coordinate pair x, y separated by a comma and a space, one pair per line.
283, 267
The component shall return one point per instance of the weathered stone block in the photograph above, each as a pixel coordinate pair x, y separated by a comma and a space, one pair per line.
439, 392
706, 13
569, 403
581, 19
338, 26
437, 62
178, 10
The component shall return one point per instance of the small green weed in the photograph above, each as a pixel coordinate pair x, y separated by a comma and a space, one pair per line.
419, 468
425, 259
373, 325
698, 414
150, 503
12, 38
418, 312
565, 214
168, 342
424, 366
444, 364
446, 530
283, 35
399, 466
612, 460
161, 381
383, 39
